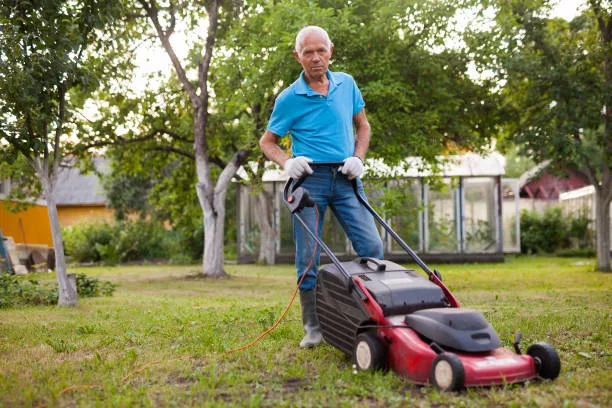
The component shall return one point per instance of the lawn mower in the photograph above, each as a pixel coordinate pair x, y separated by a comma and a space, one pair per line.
389, 317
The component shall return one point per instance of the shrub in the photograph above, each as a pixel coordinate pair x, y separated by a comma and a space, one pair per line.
140, 240
551, 231
83, 241
91, 287
129, 241
122, 242
17, 291
190, 241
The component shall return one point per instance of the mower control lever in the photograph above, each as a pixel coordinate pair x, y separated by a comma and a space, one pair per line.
299, 198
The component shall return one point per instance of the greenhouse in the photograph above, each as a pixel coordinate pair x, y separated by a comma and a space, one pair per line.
468, 214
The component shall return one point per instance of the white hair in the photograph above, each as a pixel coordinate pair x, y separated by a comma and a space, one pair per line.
299, 39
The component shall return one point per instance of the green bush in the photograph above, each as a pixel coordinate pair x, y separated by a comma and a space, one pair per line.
15, 290
82, 241
551, 231
18, 291
140, 240
190, 241
88, 286
124, 241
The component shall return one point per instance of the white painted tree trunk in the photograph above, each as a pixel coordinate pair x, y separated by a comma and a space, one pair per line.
264, 215
212, 202
602, 209
214, 225
67, 289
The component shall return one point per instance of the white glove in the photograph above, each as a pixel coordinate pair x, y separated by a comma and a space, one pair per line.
297, 167
352, 167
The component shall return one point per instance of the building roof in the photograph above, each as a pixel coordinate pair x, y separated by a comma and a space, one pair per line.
532, 173
466, 165
75, 188
541, 183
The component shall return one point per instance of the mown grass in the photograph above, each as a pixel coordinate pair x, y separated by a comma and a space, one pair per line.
162, 340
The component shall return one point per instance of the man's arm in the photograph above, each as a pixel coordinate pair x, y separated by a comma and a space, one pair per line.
269, 146
362, 135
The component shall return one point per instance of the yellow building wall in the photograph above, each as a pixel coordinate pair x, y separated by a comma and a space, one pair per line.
32, 226
27, 227
71, 215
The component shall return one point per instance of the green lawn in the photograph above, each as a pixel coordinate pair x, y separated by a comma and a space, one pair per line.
162, 340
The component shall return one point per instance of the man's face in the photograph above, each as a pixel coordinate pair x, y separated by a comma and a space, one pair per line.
314, 55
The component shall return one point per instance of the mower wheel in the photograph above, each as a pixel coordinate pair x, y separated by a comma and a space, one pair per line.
447, 372
547, 362
369, 353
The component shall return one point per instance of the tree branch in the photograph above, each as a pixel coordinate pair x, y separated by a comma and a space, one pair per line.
61, 114
153, 14
213, 21
229, 171
172, 150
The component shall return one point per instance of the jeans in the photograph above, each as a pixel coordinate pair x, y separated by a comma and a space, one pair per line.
330, 188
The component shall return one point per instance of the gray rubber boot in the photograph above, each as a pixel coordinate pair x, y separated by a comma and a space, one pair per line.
309, 318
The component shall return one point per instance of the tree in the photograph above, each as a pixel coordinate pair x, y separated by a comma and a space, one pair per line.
211, 193
50, 52
557, 90
419, 99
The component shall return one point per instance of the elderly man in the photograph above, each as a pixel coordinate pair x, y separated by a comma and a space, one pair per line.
323, 111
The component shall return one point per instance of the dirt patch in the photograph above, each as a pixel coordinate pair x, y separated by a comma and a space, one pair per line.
292, 385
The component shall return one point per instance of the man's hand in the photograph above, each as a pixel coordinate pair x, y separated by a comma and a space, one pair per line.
352, 167
298, 166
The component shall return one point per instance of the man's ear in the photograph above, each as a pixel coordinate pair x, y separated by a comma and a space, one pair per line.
331, 50
296, 55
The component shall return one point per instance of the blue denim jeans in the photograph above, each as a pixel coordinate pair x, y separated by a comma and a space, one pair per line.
330, 188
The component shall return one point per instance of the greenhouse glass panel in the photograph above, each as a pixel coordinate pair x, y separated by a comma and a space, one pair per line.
510, 215
401, 204
441, 215
479, 215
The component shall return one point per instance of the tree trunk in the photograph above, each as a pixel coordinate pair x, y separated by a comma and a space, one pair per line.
213, 206
264, 214
67, 292
214, 226
212, 202
602, 209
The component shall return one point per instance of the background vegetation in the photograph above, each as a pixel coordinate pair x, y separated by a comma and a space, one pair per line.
552, 231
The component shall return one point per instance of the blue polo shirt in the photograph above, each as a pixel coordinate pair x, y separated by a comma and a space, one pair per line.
321, 127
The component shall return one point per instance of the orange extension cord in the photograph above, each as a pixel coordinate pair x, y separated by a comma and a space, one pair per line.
280, 319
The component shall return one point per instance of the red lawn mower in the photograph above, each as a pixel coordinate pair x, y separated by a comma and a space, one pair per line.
390, 317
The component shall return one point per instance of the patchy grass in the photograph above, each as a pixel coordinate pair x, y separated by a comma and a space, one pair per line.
162, 340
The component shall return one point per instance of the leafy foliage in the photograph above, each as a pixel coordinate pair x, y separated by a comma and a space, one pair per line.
420, 101
555, 79
551, 230
122, 242
53, 54
21, 291
44, 49
80, 240
89, 286
17, 291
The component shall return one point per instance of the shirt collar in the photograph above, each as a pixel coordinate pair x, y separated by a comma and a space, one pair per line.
302, 88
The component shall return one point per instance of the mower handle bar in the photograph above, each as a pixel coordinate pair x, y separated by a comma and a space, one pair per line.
292, 185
